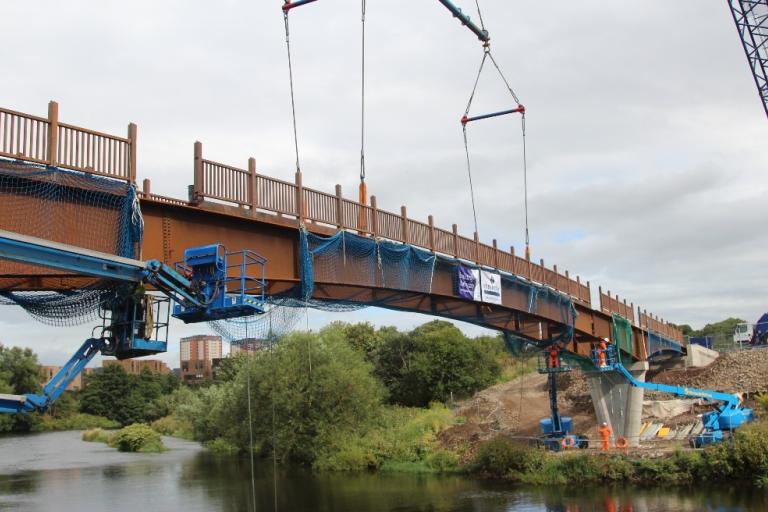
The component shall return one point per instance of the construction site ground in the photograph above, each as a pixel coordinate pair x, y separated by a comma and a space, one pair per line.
513, 409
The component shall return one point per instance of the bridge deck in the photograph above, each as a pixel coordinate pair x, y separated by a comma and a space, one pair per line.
247, 210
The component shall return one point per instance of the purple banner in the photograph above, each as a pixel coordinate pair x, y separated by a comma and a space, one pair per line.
465, 282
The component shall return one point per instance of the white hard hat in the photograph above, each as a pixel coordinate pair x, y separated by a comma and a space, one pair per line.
606, 340
605, 423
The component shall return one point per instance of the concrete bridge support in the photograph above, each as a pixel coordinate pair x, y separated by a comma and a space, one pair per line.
619, 404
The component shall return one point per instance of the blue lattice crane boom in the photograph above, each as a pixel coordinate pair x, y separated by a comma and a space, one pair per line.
751, 18
206, 286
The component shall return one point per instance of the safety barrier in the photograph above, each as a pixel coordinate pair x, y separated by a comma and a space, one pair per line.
48, 141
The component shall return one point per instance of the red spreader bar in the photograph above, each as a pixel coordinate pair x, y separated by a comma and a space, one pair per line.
287, 6
520, 109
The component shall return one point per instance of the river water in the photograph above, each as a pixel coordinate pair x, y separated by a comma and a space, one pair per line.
59, 472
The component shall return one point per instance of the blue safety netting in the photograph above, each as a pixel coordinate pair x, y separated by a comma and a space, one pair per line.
365, 263
71, 207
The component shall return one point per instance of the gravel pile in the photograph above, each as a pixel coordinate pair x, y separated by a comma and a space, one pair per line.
745, 371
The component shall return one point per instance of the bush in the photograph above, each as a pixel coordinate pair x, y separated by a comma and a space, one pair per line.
501, 457
402, 440
221, 446
97, 435
173, 426
138, 437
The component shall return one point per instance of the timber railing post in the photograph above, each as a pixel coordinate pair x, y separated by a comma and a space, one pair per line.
530, 264
132, 152
477, 248
197, 186
495, 254
404, 217
455, 229
53, 133
300, 212
568, 283
253, 191
145, 186
431, 222
374, 218
514, 260
339, 208
600, 296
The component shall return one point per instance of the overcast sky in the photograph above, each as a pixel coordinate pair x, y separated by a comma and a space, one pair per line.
646, 138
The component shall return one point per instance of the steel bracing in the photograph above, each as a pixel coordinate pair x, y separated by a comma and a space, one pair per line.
751, 17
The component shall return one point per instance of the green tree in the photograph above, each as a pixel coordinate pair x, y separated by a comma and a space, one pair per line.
19, 369
112, 393
318, 386
724, 326
433, 362
363, 337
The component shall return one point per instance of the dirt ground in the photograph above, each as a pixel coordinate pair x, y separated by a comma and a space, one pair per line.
512, 409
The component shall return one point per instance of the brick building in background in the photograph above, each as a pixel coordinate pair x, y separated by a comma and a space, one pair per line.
135, 366
199, 355
48, 371
246, 346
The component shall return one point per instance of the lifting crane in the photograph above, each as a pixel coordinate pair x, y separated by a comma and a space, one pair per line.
210, 284
751, 18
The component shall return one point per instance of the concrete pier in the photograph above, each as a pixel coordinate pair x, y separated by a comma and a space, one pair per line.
619, 404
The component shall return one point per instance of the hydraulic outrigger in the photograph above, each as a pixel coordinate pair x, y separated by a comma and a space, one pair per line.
210, 284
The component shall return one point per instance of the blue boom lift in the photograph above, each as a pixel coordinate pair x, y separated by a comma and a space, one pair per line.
210, 284
727, 416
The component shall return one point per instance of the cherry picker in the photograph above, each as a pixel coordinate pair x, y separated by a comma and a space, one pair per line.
210, 284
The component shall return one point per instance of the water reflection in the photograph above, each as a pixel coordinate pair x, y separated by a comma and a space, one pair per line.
59, 471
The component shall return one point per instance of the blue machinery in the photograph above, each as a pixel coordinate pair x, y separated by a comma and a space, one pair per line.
210, 284
557, 428
728, 416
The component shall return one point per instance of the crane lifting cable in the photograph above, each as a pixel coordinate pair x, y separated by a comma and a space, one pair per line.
287, 6
363, 197
467, 118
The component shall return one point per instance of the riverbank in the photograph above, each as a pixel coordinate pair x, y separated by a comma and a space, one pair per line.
38, 471
744, 458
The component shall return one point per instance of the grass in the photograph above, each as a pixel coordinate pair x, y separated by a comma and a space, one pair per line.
404, 440
174, 427
97, 435
78, 421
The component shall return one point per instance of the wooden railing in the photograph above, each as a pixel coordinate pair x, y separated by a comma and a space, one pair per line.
48, 141
651, 323
248, 189
610, 305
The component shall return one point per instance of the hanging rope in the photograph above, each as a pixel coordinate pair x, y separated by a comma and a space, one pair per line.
362, 97
250, 432
467, 119
466, 143
290, 79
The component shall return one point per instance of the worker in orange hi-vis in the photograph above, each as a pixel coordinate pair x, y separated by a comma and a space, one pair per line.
602, 349
605, 436
554, 358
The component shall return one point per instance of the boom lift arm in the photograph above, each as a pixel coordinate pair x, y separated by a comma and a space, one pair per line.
206, 286
727, 417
